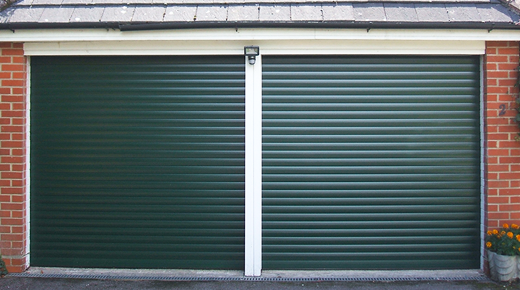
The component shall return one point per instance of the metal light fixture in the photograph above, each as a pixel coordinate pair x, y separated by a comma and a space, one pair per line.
251, 52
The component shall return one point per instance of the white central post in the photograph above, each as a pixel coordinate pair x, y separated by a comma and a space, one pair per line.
253, 171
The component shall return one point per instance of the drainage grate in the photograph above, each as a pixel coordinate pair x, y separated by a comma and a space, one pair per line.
255, 279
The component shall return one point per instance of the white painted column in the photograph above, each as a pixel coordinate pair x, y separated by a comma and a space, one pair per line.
253, 162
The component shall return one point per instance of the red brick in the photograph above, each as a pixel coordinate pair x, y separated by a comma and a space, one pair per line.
507, 66
498, 199
12, 144
492, 207
12, 206
17, 198
497, 121
13, 67
513, 51
492, 191
12, 128
10, 114
19, 91
509, 160
497, 90
18, 45
11, 175
497, 58
18, 121
509, 144
18, 183
491, 98
12, 190
494, 137
16, 83
13, 98
498, 215
10, 159
506, 175
12, 52
498, 184
492, 176
508, 191
506, 82
18, 152
495, 168
495, 152
509, 129
491, 66
13, 222
17, 59
17, 214
509, 207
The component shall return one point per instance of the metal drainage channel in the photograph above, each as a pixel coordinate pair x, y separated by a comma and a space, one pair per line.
255, 279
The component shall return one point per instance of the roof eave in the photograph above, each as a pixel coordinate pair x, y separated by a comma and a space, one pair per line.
134, 26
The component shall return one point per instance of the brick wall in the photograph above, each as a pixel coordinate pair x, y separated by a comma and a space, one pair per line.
502, 151
13, 217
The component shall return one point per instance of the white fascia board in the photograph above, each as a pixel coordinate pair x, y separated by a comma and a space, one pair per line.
269, 47
226, 34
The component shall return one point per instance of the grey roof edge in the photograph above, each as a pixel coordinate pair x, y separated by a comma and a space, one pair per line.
292, 24
511, 4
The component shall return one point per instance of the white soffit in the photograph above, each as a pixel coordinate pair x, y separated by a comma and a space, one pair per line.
273, 41
267, 47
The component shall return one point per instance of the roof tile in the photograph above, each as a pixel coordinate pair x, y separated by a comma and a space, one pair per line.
465, 13
400, 12
46, 2
496, 13
369, 12
340, 12
211, 13
275, 13
29, 15
149, 14
118, 14
56, 16
180, 13
87, 14
243, 13
76, 2
306, 13
431, 12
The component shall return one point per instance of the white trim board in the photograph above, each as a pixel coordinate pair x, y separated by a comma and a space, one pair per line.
248, 34
268, 47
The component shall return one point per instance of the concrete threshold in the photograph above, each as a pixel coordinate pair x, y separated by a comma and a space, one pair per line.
217, 275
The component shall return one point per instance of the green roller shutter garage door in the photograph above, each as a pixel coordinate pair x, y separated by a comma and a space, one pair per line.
371, 162
137, 162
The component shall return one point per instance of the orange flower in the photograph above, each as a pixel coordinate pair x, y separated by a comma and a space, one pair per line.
518, 238
510, 235
515, 227
489, 233
505, 226
502, 233
489, 244
495, 232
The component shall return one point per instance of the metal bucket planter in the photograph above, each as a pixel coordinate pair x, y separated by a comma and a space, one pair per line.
503, 268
